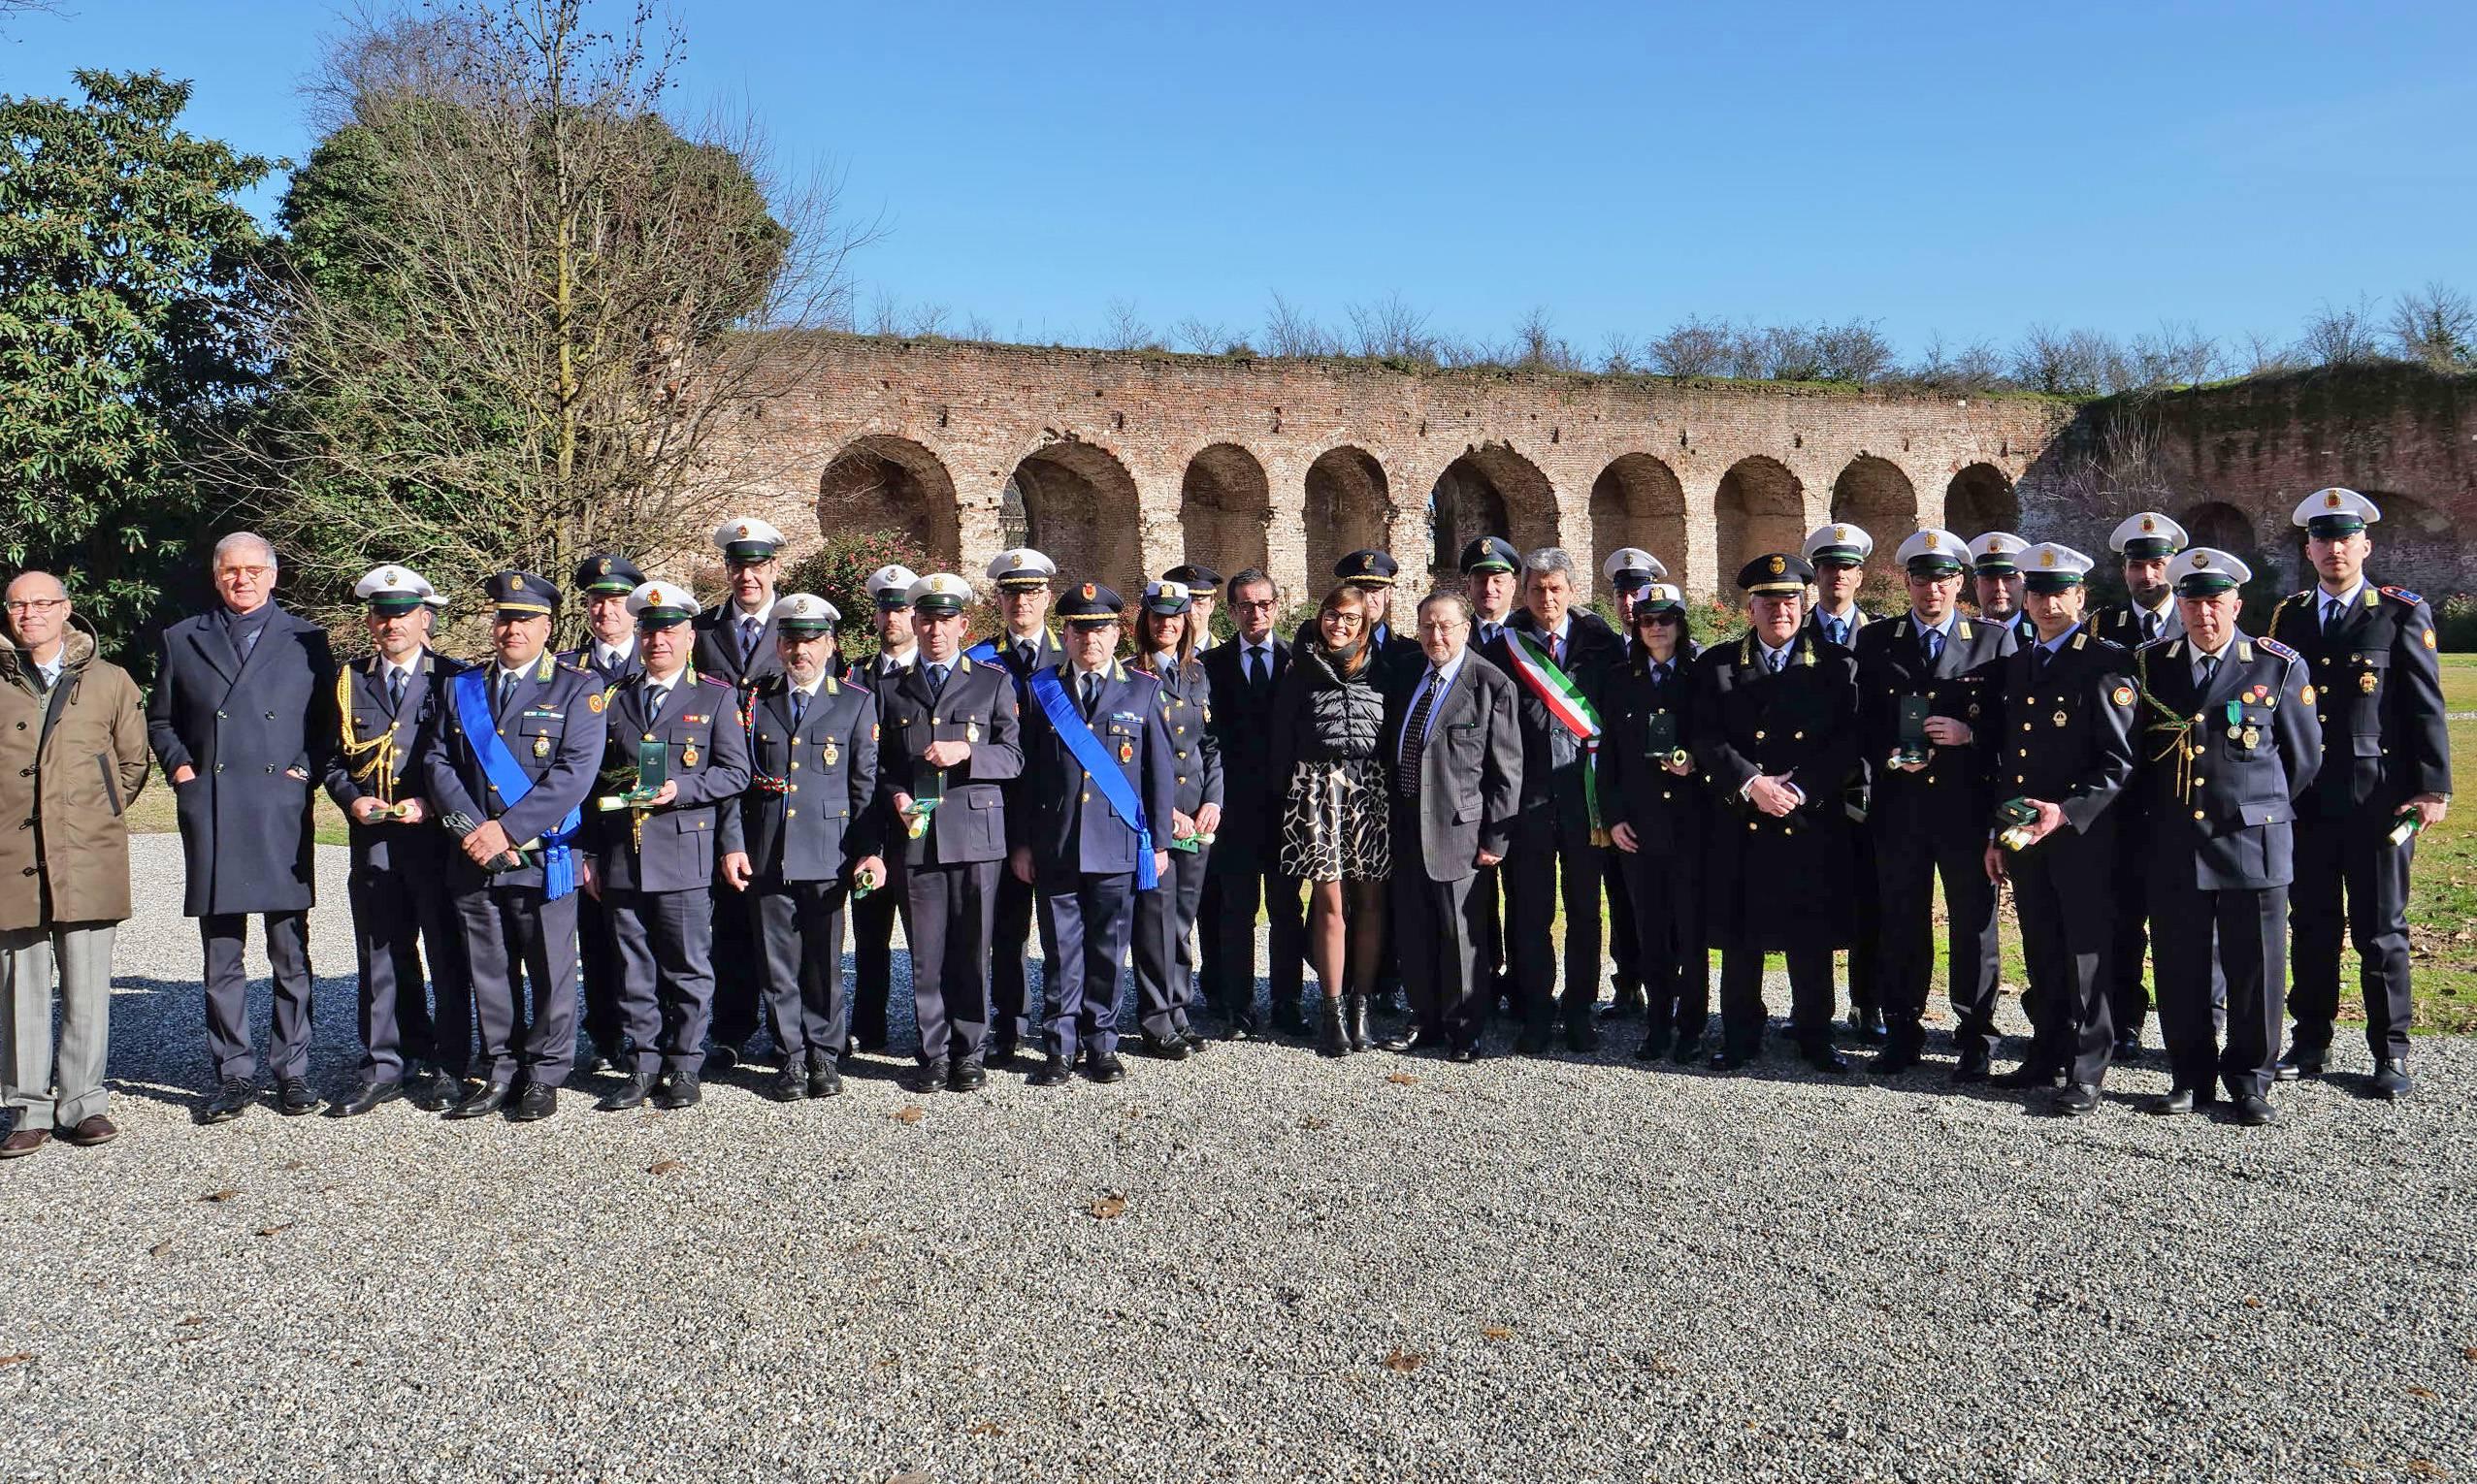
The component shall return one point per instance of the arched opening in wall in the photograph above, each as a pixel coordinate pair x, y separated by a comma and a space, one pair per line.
1761, 508
1489, 491
1874, 496
893, 485
1224, 506
1638, 502
1979, 500
1080, 510
2217, 522
1348, 509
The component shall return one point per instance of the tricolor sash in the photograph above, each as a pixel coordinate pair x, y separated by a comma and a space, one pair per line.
1068, 724
1571, 710
472, 691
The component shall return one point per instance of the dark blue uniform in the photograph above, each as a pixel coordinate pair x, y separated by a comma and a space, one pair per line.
600, 959
725, 651
1165, 919
2128, 941
1865, 954
1671, 816
1016, 1020
873, 917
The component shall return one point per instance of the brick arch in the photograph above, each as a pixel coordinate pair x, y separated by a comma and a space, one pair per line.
1874, 495
1225, 505
1760, 507
1081, 510
1349, 507
1979, 500
2217, 522
1638, 502
880, 482
1490, 490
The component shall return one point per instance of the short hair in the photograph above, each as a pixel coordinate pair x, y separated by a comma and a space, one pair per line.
1250, 577
1547, 559
1448, 595
240, 538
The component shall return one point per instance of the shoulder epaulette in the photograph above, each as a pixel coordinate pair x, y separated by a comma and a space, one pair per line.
2273, 646
2403, 595
553, 666
2165, 638
717, 682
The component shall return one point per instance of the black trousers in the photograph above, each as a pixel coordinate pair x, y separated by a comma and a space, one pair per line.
872, 965
948, 918
738, 979
1437, 926
1742, 1012
1866, 951
801, 922
512, 934
597, 962
399, 918
1665, 890
1231, 894
1165, 946
1906, 867
2129, 934
2063, 891
2351, 878
664, 941
2242, 933
1541, 863
225, 934
1625, 937
1085, 925
1018, 1016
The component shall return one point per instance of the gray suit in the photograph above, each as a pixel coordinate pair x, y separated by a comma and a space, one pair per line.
1462, 800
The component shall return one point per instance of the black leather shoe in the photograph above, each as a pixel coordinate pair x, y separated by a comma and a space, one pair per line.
1655, 1045
1240, 1027
2074, 1100
1054, 1072
1463, 1053
1106, 1068
932, 1076
1290, 1017
680, 1089
2174, 1104
481, 1100
1164, 1050
2391, 1082
1819, 1055
1687, 1051
968, 1076
2254, 1111
538, 1101
1193, 1038
1974, 1065
1728, 1060
722, 1057
371, 1095
295, 1097
1580, 1035
2027, 1076
631, 1093
1001, 1051
1867, 1025
1629, 1005
2299, 1062
1410, 1038
789, 1085
432, 1089
2127, 1052
599, 1064
231, 1098
825, 1078
1893, 1060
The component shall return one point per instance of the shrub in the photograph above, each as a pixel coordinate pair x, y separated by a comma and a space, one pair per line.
837, 571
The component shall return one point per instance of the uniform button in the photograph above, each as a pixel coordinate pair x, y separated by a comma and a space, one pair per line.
791, 814
1754, 826
2017, 778
271, 767
218, 767
795, 763
1758, 736
1088, 798
2197, 814
794, 788
221, 716
649, 736
2025, 727
2199, 778
1182, 778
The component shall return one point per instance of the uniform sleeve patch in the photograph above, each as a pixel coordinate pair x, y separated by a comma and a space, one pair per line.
2306, 695
2428, 638
2122, 695
2279, 648
596, 701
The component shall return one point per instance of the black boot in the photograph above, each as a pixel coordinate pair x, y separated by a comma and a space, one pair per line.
1290, 1017
1355, 1021
1332, 1037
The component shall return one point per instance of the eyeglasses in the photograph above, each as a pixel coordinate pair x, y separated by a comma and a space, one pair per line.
252, 574
1251, 603
34, 604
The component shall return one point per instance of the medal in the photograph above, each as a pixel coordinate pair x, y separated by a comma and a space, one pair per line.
542, 747
687, 756
2235, 732
1127, 752
2060, 719
971, 731
2366, 682
2252, 736
830, 757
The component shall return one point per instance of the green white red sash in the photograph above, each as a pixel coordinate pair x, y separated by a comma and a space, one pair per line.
1571, 709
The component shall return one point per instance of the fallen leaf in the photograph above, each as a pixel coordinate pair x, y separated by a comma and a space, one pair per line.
909, 1478
2422, 1393
2428, 1468
912, 1113
18, 1359
1403, 1362
662, 1167
194, 1319
2253, 1303
1109, 1207
165, 1245
292, 1164
986, 1430
1497, 1332
2468, 1352
1317, 1123
1400, 1078
219, 1195
270, 1231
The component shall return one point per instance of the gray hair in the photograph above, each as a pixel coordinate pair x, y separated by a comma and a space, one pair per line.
241, 538
59, 585
1547, 559
1448, 595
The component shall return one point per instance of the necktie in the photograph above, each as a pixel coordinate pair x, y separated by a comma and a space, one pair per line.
1837, 630
2039, 659
2149, 628
2209, 668
1490, 631
1932, 639
1414, 738
1556, 650
1779, 656
1255, 668
250, 639
936, 680
1091, 692
395, 689
506, 691
2330, 611
1023, 654
749, 628
1660, 673
655, 695
799, 707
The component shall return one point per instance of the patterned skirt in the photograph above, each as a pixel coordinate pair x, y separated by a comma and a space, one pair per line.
1335, 826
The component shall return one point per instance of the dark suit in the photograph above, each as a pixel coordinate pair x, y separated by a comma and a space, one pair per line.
401, 911
1866, 952
552, 726
1777, 885
721, 652
2222, 810
2065, 727
808, 818
2378, 696
1552, 846
1084, 851
873, 917
600, 970
1462, 798
1165, 919
257, 729
1016, 1018
949, 875
2129, 941
1246, 863
1934, 823
1672, 820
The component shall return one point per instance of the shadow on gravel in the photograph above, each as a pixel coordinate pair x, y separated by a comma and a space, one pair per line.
158, 1050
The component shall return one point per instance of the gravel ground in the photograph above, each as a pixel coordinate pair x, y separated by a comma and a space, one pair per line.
1253, 1264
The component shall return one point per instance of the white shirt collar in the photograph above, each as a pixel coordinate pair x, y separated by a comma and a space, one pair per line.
811, 689
2221, 653
611, 657
740, 614
2323, 596
1781, 651
51, 672
1452, 667
388, 668
1078, 672
1944, 627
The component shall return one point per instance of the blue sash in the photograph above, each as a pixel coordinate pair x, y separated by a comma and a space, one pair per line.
490, 749
1068, 724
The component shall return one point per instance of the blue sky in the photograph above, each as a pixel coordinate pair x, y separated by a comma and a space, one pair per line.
1969, 169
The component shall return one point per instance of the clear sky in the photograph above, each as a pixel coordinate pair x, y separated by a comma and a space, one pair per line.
1965, 167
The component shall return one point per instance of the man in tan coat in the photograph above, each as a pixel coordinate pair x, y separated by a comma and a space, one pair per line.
73, 754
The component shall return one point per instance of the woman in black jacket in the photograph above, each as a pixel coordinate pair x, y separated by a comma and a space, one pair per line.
1646, 777
1326, 718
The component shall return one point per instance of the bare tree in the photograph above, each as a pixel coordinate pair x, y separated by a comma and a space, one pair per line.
2260, 355
1289, 330
1122, 326
976, 327
2437, 326
1692, 347
1390, 327
1618, 354
2067, 362
1855, 350
1204, 338
884, 313
1537, 346
929, 319
2341, 334
2175, 354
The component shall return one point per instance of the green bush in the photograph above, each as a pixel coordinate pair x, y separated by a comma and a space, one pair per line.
837, 571
2456, 622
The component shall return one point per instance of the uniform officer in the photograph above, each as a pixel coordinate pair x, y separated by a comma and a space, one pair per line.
1204, 594
1996, 575
810, 836
2064, 720
2229, 746
654, 857
388, 705
1626, 572
1165, 919
1492, 580
1661, 820
2144, 542
1245, 865
890, 596
509, 772
736, 644
1839, 553
1098, 770
951, 739
609, 655
2386, 762
1776, 735
1930, 800
1025, 648
1374, 573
